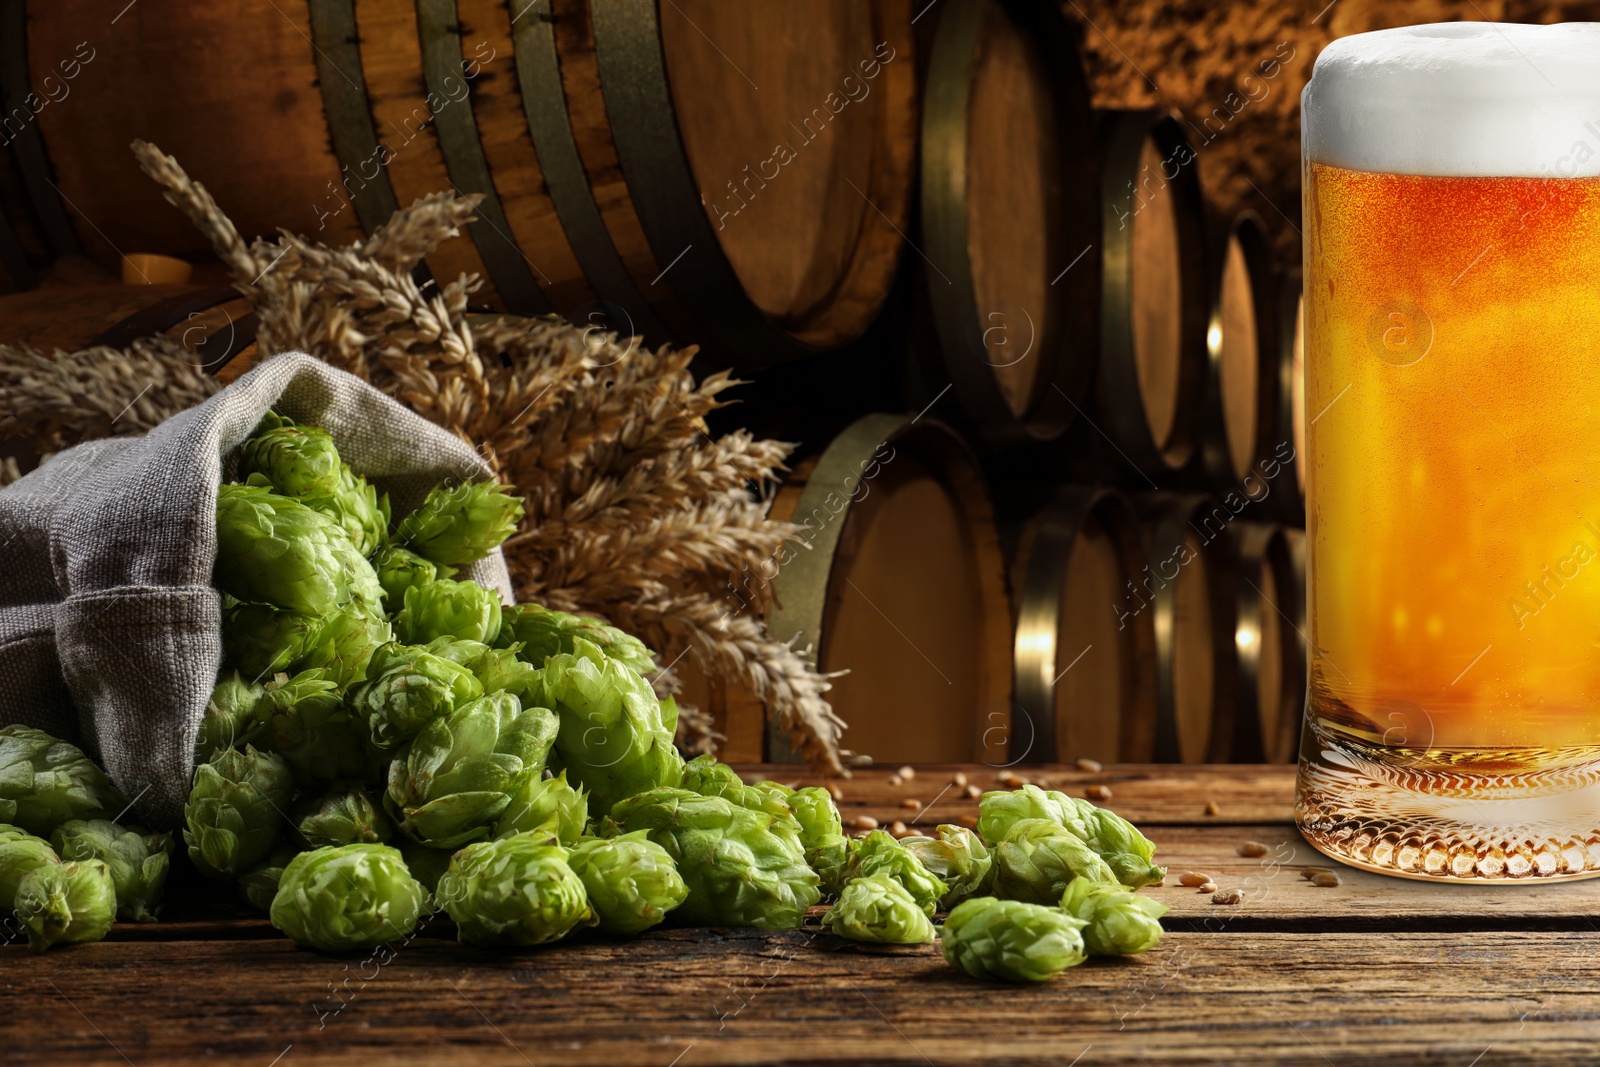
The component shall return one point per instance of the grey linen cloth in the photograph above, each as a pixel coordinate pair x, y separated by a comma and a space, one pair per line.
110, 629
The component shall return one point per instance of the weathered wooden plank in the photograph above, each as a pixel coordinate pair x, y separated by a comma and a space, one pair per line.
1153, 794
697, 997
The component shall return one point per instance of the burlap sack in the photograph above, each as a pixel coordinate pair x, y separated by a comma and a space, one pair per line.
109, 626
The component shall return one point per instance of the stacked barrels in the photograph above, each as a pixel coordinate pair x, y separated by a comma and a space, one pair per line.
1071, 526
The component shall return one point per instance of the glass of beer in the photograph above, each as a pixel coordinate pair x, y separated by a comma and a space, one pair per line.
1452, 338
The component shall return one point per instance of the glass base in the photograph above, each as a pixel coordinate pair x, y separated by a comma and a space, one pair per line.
1450, 814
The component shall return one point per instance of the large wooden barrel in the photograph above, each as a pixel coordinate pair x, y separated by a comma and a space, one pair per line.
1272, 681
1153, 312
1243, 351
1289, 487
619, 182
1008, 159
1084, 652
904, 586
1189, 585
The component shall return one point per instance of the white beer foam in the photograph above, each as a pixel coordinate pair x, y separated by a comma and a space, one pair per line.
1465, 99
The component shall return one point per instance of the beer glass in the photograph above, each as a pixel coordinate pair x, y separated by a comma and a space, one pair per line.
1452, 338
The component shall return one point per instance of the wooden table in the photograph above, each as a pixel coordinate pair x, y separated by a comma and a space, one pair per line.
1374, 970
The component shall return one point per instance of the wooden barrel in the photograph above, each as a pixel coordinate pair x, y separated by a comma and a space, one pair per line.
1271, 666
904, 586
1153, 312
1289, 487
651, 166
1188, 583
1084, 654
1243, 351
1007, 156
215, 324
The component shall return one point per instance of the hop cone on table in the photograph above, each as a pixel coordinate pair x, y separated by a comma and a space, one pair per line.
547, 804
1039, 858
259, 884
709, 778
631, 881
515, 891
233, 716
45, 781
957, 857
614, 740
445, 608
345, 815
1129, 853
138, 861
830, 858
66, 903
1011, 940
497, 669
739, 872
457, 776
406, 689
461, 524
880, 854
237, 803
21, 853
1118, 922
308, 723
347, 897
544, 633
879, 909
274, 550
302, 462
399, 569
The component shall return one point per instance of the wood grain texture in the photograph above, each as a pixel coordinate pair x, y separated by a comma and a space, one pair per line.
680, 997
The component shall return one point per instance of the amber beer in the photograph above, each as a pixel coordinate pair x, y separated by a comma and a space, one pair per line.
1452, 265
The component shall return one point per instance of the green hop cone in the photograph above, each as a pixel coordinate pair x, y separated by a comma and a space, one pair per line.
1039, 858
308, 723
138, 861
344, 642
830, 858
259, 640
631, 881
818, 815
445, 608
345, 815
498, 670
45, 781
515, 891
548, 804
21, 853
406, 689
614, 738
456, 778
1119, 922
302, 462
957, 857
543, 633
461, 524
347, 897
233, 716
399, 569
739, 872
425, 864
66, 903
275, 550
882, 910
1129, 853
236, 807
706, 776
879, 853
259, 885
1011, 940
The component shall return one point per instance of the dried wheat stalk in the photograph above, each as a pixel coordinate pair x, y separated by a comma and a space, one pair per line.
634, 513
